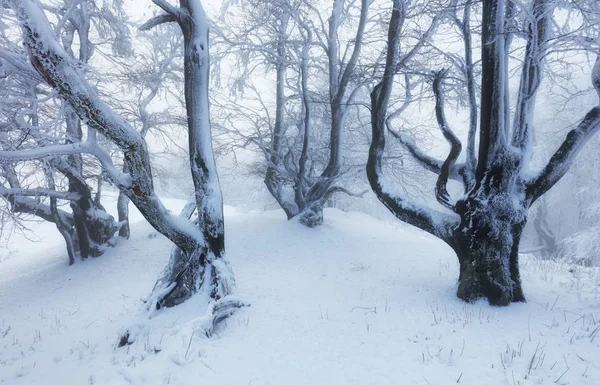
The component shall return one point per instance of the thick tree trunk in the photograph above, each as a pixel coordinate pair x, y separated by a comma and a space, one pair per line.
100, 229
487, 246
191, 272
94, 227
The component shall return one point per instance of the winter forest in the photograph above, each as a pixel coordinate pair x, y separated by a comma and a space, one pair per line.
294, 192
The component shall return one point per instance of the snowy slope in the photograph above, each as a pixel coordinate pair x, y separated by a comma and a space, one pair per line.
358, 301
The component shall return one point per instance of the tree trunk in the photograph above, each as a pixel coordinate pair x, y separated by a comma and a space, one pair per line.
123, 211
123, 215
198, 266
312, 216
545, 235
487, 246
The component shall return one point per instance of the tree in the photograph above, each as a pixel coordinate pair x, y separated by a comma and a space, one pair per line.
157, 70
486, 223
198, 264
30, 119
292, 39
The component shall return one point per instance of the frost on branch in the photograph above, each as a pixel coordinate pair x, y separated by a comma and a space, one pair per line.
198, 265
492, 212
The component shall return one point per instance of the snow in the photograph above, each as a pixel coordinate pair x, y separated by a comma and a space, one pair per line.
357, 301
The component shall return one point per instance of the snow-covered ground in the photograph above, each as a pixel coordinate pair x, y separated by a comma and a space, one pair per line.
358, 301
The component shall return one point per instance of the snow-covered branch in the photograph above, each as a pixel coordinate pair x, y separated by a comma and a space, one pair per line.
62, 72
493, 124
158, 20
425, 218
91, 148
39, 192
563, 158
424, 160
441, 192
167, 7
531, 73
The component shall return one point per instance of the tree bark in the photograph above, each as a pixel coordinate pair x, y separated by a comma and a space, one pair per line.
486, 243
199, 266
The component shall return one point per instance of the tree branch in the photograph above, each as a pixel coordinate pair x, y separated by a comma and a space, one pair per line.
63, 74
36, 192
492, 133
465, 27
427, 219
25, 205
167, 7
158, 20
426, 161
441, 192
563, 158
358, 41
531, 73
339, 189
68, 149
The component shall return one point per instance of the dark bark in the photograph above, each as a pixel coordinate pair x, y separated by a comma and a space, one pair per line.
492, 135
487, 246
312, 216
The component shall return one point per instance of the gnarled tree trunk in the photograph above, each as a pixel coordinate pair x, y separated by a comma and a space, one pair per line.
486, 242
200, 265
487, 222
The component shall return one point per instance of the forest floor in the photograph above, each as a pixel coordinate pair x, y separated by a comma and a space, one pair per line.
358, 301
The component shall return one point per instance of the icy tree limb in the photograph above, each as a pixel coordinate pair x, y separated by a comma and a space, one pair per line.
358, 42
338, 85
63, 228
434, 222
158, 20
37, 192
68, 149
426, 161
25, 205
441, 192
338, 189
465, 27
300, 184
168, 7
20, 64
563, 158
531, 73
492, 133
62, 73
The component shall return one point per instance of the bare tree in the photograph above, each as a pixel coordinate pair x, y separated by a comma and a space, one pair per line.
485, 224
198, 264
30, 118
303, 48
157, 70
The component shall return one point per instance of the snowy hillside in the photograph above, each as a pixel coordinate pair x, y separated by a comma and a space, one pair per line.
357, 301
